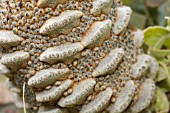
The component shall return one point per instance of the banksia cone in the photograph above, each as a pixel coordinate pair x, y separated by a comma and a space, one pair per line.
75, 56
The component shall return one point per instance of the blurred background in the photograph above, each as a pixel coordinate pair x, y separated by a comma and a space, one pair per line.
148, 12
145, 13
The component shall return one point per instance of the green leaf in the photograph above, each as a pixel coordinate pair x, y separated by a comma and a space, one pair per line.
159, 54
162, 103
145, 48
162, 41
153, 34
162, 74
168, 69
164, 84
168, 21
167, 60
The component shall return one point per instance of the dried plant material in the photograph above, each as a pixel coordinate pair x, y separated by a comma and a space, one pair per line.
74, 56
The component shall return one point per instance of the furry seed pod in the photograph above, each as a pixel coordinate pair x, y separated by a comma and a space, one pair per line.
75, 56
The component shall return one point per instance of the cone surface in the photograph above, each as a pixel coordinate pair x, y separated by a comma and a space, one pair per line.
74, 56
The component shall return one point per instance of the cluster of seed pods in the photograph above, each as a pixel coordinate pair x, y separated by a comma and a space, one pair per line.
75, 56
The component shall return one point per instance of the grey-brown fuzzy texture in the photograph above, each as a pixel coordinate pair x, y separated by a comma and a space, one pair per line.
75, 56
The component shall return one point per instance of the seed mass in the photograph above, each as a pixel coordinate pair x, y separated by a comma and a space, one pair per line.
75, 56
